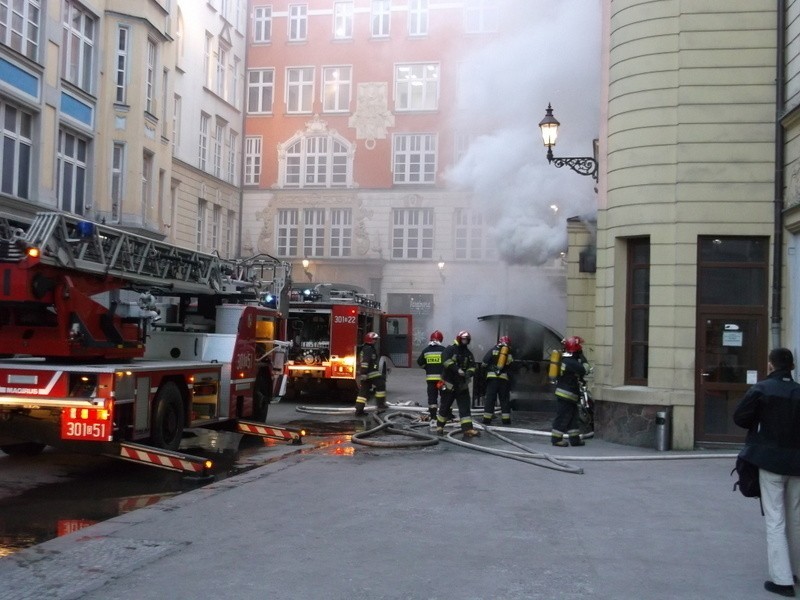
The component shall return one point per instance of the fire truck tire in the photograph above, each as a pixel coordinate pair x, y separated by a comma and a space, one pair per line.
261, 396
23, 449
168, 417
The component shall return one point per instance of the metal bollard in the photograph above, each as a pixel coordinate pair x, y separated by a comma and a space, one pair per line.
663, 434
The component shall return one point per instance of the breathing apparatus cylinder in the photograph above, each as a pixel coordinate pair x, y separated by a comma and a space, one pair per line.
555, 365
503, 357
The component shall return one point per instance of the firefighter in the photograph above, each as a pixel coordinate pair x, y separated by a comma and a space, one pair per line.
573, 368
430, 359
369, 374
497, 363
458, 368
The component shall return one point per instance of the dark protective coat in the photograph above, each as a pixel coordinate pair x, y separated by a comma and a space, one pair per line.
770, 410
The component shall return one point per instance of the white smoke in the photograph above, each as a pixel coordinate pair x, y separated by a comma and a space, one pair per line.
552, 56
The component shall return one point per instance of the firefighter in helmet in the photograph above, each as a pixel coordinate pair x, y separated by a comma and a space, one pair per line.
497, 363
370, 377
430, 359
458, 368
574, 367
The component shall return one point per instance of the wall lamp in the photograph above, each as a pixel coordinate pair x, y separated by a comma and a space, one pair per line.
306, 271
441, 269
583, 165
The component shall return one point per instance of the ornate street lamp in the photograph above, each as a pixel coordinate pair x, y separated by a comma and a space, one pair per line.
584, 165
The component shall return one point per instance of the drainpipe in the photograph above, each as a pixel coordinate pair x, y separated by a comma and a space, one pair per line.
777, 245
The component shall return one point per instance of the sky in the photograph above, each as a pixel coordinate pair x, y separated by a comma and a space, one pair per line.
553, 56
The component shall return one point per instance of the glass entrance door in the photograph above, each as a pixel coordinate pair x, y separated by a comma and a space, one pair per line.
730, 359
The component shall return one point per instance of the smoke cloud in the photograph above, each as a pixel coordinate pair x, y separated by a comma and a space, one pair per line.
552, 56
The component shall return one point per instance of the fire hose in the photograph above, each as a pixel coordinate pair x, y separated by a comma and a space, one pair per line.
387, 423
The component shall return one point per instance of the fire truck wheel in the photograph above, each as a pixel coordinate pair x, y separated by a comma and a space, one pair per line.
168, 418
261, 396
23, 449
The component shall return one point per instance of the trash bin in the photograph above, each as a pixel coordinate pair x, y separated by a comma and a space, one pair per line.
663, 433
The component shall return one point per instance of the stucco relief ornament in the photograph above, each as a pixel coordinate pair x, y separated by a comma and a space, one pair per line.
793, 196
265, 233
372, 118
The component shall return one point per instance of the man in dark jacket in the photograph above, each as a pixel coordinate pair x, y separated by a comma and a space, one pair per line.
498, 387
770, 410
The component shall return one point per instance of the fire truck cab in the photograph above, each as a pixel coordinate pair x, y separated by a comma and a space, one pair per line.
112, 337
326, 327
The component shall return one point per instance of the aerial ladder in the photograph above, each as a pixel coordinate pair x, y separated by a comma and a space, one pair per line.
63, 285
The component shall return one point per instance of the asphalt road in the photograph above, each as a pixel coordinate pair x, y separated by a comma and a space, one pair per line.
346, 521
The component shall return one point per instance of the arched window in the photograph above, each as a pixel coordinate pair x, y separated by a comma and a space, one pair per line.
316, 158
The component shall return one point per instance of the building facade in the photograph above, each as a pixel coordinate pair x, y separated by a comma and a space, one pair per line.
689, 251
352, 125
104, 109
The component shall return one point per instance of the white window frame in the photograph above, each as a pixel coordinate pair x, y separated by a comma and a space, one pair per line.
316, 160
341, 228
117, 180
75, 163
236, 69
260, 91
230, 171
122, 74
202, 224
298, 22
216, 216
205, 121
343, 20
78, 45
337, 88
21, 26
176, 122
314, 232
381, 18
287, 231
417, 17
299, 96
222, 71
219, 141
262, 24
208, 55
252, 160
230, 225
414, 158
416, 86
412, 233
19, 140
471, 236
148, 169
481, 16
150, 77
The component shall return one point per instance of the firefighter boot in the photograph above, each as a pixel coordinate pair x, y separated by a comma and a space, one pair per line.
557, 438
575, 438
487, 418
380, 401
432, 409
361, 403
505, 418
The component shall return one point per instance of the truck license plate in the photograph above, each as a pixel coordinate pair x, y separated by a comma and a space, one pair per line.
91, 424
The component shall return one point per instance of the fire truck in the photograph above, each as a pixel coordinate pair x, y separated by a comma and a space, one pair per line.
326, 327
115, 343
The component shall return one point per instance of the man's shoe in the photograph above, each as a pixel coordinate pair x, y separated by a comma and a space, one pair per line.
561, 443
440, 430
781, 590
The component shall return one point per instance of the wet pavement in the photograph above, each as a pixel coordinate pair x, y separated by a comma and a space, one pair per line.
352, 522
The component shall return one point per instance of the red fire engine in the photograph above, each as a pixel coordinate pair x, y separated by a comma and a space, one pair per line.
110, 338
327, 323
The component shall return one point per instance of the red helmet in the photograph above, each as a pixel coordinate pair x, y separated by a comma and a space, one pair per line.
572, 344
437, 336
504, 339
371, 337
463, 338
